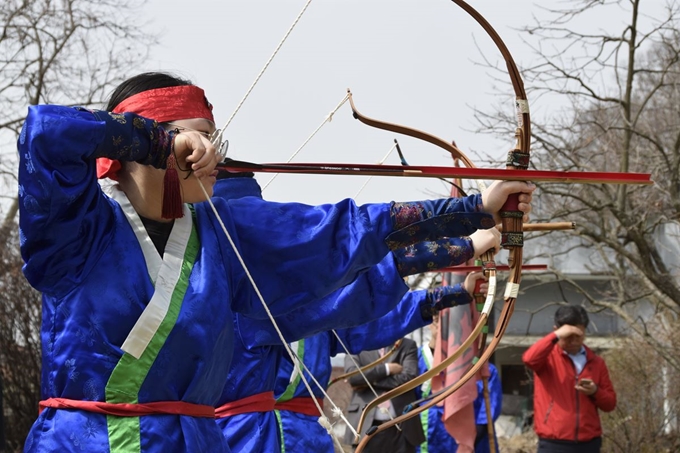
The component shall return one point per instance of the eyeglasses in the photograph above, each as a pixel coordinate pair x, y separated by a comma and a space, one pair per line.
221, 145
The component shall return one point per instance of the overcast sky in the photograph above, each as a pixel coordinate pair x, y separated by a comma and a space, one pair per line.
407, 61
411, 62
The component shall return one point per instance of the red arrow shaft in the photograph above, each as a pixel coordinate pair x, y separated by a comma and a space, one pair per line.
501, 268
580, 177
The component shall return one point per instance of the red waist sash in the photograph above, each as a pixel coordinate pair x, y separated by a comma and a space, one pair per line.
260, 402
130, 409
302, 405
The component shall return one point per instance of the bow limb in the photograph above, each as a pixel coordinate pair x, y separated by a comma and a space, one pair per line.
485, 388
506, 313
518, 158
490, 270
512, 236
491, 430
366, 367
413, 383
480, 300
411, 132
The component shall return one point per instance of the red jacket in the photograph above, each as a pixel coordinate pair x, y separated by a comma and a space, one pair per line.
560, 411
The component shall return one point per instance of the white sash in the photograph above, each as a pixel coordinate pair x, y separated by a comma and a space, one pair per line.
164, 272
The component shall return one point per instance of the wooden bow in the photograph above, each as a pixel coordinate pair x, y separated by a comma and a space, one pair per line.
479, 299
512, 236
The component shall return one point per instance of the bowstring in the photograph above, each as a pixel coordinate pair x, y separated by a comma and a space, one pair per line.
294, 359
389, 414
336, 410
218, 139
264, 68
328, 119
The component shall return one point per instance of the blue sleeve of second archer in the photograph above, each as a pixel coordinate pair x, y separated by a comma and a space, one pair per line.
384, 331
373, 294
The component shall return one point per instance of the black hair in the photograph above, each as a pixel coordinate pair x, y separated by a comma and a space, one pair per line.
574, 315
143, 82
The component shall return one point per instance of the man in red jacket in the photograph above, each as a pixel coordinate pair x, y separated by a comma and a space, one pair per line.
570, 384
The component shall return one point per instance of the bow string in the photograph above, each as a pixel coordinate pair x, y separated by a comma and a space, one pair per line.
366, 367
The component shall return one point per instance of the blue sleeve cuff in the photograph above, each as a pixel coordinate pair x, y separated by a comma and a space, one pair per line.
444, 297
430, 220
130, 137
432, 255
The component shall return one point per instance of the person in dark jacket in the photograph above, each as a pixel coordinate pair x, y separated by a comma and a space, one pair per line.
401, 367
571, 383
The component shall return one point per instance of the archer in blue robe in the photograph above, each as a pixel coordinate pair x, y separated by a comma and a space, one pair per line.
123, 325
258, 348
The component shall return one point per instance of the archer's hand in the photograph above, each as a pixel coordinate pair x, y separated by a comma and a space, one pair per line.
485, 240
471, 280
195, 150
494, 197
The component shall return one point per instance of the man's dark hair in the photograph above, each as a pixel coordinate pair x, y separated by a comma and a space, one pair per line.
574, 315
143, 82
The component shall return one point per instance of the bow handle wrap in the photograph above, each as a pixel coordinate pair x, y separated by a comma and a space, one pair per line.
478, 289
518, 158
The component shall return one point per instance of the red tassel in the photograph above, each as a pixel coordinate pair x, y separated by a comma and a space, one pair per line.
172, 194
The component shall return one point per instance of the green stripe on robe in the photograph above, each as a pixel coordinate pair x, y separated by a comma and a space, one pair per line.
129, 374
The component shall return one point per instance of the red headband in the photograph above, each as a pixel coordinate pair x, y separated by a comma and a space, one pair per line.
162, 105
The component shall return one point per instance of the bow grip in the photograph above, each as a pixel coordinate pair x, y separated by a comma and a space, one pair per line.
478, 287
511, 218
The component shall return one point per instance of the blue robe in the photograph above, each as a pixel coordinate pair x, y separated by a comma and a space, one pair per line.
258, 349
252, 371
97, 269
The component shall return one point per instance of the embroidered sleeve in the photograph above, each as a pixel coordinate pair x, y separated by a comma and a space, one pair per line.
432, 255
444, 297
433, 219
130, 137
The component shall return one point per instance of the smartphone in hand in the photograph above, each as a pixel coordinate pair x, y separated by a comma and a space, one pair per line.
585, 381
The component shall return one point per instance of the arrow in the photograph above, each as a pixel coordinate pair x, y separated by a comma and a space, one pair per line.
581, 177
